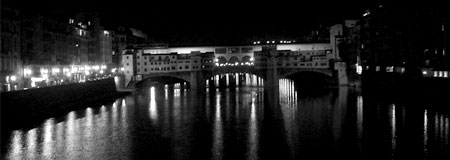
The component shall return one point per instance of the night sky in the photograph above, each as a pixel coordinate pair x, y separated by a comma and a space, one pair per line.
218, 21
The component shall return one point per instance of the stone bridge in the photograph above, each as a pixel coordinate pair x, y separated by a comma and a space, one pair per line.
197, 79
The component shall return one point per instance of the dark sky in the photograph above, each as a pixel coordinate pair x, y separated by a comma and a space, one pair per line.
231, 20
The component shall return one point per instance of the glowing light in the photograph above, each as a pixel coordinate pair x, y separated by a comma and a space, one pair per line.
358, 69
216, 60
101, 71
96, 67
445, 74
113, 70
424, 72
273, 41
390, 69
87, 68
435, 73
268, 41
13, 78
103, 67
251, 59
86, 72
55, 70
28, 71
44, 71
122, 69
68, 74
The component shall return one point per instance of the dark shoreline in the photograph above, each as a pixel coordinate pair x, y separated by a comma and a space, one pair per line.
27, 108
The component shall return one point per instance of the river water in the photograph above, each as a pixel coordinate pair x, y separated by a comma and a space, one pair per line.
239, 122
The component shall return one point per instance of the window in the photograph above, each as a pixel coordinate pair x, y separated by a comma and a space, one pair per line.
151, 69
138, 70
139, 63
145, 57
138, 57
145, 69
128, 64
173, 68
145, 63
127, 57
181, 67
186, 67
221, 50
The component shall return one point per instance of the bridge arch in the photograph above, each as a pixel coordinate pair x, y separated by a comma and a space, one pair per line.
165, 77
233, 60
311, 78
246, 59
221, 60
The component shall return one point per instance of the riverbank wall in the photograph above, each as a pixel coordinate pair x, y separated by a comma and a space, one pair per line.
19, 107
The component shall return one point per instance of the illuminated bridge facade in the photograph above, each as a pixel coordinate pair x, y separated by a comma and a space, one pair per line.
197, 64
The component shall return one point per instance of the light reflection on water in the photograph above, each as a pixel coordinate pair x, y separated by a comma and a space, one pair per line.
175, 123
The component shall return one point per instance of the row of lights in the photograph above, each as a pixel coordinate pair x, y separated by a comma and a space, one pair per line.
234, 64
442, 74
273, 42
389, 69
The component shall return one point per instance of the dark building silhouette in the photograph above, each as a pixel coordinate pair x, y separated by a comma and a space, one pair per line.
386, 36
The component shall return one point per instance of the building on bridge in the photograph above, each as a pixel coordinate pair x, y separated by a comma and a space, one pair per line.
315, 55
182, 62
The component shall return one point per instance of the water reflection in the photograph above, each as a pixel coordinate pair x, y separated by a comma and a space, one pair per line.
152, 109
234, 80
393, 129
217, 148
172, 122
83, 134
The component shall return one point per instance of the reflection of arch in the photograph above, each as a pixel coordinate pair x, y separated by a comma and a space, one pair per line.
222, 60
163, 78
246, 59
233, 60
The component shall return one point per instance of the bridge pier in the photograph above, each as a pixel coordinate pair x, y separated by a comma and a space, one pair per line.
271, 86
197, 80
341, 73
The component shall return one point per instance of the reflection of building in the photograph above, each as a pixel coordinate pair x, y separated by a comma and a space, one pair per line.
10, 63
